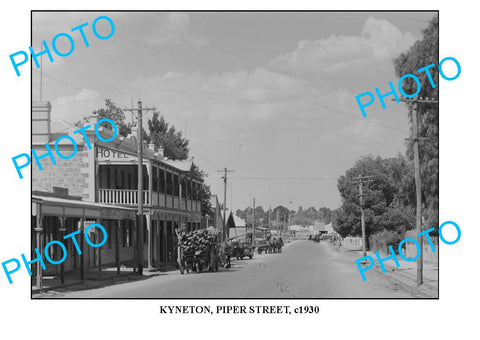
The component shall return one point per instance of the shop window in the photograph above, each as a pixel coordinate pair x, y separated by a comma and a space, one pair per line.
109, 235
126, 235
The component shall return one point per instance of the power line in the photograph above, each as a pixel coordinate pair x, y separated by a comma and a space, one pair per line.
268, 68
288, 178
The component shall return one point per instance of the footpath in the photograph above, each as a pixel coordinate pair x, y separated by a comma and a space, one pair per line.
406, 275
92, 279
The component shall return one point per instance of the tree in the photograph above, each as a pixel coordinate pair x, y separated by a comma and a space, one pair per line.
162, 135
325, 215
113, 112
382, 201
425, 52
205, 190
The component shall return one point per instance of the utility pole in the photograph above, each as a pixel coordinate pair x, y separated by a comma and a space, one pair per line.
276, 220
253, 220
225, 179
140, 183
360, 180
269, 217
413, 108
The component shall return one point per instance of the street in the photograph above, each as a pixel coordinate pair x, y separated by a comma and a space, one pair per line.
303, 270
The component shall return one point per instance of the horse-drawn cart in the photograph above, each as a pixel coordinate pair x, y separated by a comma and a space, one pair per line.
202, 249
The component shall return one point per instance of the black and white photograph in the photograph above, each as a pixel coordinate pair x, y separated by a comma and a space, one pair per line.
224, 170
234, 155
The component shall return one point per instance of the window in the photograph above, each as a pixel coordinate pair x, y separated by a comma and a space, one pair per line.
115, 179
126, 234
175, 185
109, 234
130, 234
155, 179
189, 189
169, 183
145, 178
194, 191
184, 188
161, 180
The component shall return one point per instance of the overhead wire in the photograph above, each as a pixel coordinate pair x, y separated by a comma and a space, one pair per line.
270, 69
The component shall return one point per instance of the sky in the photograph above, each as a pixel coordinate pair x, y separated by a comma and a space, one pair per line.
270, 95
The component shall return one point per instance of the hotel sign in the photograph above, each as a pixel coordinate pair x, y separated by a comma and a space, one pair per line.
113, 155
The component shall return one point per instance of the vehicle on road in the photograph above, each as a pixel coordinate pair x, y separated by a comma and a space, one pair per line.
242, 249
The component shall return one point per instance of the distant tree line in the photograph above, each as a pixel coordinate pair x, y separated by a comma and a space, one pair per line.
303, 217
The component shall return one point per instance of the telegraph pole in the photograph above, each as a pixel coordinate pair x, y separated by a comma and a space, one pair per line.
140, 183
413, 108
253, 220
276, 220
360, 180
225, 179
269, 217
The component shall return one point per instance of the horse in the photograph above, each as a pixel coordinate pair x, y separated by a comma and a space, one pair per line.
226, 250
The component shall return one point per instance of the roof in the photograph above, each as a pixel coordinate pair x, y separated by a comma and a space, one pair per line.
184, 165
329, 228
237, 221
297, 228
120, 143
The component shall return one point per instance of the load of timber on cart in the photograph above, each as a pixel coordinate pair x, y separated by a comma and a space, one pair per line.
199, 249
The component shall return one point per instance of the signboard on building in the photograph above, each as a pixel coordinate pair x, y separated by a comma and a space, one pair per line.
113, 155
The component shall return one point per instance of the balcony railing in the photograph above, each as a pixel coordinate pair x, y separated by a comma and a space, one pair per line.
121, 196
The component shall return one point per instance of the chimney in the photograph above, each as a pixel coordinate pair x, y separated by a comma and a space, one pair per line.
160, 151
151, 146
132, 136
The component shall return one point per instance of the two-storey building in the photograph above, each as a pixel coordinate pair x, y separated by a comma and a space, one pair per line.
100, 184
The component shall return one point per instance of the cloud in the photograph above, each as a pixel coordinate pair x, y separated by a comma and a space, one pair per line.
73, 108
173, 28
337, 59
280, 112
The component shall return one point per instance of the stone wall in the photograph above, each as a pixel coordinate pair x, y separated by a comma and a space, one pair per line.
75, 174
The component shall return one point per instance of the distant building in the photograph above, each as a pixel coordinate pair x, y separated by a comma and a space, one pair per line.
235, 225
216, 215
301, 233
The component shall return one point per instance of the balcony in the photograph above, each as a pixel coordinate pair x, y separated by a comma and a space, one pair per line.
121, 196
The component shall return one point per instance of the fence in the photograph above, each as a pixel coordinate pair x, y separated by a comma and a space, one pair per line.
352, 243
380, 242
428, 255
